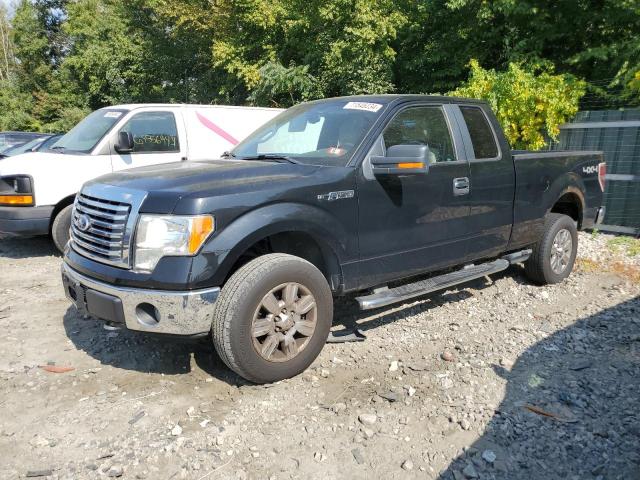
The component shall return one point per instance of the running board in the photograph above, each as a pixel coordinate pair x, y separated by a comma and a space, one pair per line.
386, 296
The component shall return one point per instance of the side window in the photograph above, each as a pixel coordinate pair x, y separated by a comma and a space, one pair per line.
422, 126
153, 132
482, 138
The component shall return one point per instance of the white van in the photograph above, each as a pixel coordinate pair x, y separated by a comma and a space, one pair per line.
37, 189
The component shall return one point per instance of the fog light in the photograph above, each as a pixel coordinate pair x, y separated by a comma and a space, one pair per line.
147, 314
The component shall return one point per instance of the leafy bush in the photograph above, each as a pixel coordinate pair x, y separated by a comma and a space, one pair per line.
281, 86
530, 103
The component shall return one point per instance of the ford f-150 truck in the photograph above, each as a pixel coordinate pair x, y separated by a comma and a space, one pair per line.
391, 196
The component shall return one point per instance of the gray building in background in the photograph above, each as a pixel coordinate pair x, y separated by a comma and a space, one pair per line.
617, 133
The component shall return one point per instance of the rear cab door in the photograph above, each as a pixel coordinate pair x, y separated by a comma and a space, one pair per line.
158, 137
492, 180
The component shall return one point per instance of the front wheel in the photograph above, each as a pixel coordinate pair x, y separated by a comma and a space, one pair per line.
272, 318
61, 226
555, 253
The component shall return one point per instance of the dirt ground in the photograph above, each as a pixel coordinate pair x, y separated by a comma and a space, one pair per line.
538, 382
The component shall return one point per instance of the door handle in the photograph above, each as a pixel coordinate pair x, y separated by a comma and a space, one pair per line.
461, 186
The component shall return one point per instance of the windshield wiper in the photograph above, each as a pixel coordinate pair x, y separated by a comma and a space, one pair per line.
58, 148
272, 156
228, 154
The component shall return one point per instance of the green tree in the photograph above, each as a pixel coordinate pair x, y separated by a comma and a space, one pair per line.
106, 57
6, 45
530, 103
592, 39
40, 46
281, 86
344, 45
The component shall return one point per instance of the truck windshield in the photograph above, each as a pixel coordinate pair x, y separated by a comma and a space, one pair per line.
317, 133
85, 135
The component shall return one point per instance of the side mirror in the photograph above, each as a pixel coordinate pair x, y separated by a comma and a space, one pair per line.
125, 142
402, 160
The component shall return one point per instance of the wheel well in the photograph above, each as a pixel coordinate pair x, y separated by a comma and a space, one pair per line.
299, 244
65, 202
569, 204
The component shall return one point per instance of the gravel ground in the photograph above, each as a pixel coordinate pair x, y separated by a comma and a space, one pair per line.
499, 379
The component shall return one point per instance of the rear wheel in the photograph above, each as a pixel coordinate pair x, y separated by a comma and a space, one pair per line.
61, 226
272, 318
555, 253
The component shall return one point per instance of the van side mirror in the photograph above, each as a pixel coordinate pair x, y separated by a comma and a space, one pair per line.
125, 142
402, 160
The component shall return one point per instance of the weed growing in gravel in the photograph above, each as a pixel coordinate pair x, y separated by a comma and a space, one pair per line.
630, 272
628, 245
587, 265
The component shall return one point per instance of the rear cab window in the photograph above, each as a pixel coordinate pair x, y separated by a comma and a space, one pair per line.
483, 139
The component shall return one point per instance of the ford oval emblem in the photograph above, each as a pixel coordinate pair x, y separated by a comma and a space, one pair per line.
83, 222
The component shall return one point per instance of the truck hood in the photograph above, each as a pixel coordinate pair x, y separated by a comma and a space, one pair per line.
167, 184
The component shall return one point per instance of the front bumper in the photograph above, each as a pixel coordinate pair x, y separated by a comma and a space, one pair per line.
25, 220
154, 311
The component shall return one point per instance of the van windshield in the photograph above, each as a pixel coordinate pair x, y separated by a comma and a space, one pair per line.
318, 133
85, 135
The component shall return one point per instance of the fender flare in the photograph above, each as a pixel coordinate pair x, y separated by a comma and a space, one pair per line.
569, 183
256, 225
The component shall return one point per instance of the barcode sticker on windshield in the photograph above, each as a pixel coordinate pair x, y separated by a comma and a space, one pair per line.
366, 106
112, 114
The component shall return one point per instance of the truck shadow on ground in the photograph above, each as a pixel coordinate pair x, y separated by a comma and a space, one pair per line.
27, 247
570, 408
144, 353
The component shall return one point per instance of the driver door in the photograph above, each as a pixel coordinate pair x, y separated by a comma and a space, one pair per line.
157, 138
413, 223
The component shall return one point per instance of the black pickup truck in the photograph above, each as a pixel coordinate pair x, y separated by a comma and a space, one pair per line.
392, 196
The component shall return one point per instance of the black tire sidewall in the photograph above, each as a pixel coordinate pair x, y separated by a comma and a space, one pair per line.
61, 226
566, 223
244, 353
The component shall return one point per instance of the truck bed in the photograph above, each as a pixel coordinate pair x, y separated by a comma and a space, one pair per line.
542, 178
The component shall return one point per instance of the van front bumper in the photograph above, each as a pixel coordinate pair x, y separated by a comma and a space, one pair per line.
174, 313
17, 221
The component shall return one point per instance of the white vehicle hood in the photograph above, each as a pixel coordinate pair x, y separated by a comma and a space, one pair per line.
55, 175
28, 163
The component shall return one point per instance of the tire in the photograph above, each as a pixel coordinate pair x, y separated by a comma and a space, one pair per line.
60, 228
240, 315
541, 267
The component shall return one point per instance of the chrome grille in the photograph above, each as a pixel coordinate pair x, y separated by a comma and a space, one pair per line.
99, 229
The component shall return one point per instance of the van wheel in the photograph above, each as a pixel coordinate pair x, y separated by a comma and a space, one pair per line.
272, 318
61, 226
555, 253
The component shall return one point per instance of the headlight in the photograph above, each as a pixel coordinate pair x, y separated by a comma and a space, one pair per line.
16, 190
160, 236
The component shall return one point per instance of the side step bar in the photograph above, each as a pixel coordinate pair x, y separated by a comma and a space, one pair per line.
386, 296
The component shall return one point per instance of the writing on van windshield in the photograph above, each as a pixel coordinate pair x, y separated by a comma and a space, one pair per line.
162, 140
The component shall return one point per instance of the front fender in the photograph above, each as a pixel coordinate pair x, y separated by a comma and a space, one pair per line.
221, 253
